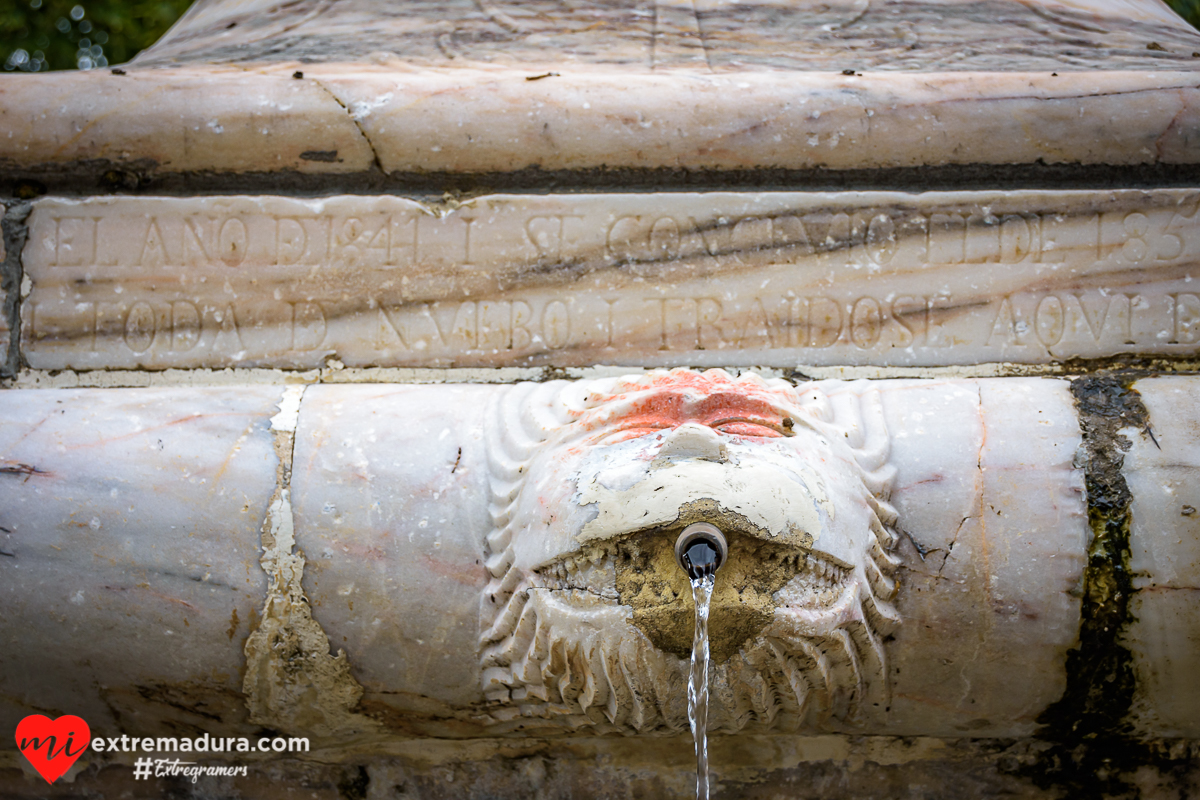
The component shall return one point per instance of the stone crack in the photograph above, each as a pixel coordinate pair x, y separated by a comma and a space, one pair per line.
357, 124
292, 681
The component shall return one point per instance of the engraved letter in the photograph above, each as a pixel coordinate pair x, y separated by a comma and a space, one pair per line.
790, 234
495, 316
229, 338
154, 252
185, 326
290, 241
881, 239
520, 317
708, 315
824, 322
947, 239
232, 242
775, 328
197, 243
75, 241
621, 239
139, 327
388, 329
983, 239
1016, 240
556, 325
866, 322
308, 326
546, 234
1096, 320
1049, 321
1004, 327
752, 234
664, 239
903, 309
1135, 249
1048, 248
1186, 318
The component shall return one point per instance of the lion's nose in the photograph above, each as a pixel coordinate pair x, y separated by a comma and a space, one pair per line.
693, 441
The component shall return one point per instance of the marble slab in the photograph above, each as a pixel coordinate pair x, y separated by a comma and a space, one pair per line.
390, 494
995, 516
412, 122
770, 279
716, 35
1162, 469
390, 483
129, 538
462, 87
134, 517
751, 120
182, 120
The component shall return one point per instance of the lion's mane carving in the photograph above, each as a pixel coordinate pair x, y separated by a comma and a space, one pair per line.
570, 613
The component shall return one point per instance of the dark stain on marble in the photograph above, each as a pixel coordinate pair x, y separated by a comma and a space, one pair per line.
1093, 750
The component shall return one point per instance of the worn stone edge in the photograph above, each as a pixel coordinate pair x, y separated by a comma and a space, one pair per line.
335, 373
342, 82
15, 233
293, 682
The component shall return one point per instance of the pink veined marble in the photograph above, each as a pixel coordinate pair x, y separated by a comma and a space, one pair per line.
496, 87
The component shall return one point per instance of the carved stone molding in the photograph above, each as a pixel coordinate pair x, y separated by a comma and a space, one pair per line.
587, 619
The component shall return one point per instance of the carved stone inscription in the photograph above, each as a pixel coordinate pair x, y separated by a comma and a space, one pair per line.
762, 278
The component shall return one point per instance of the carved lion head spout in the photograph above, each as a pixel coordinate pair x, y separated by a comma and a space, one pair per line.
587, 621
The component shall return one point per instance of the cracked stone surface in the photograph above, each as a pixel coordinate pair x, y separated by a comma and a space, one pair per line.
389, 488
130, 531
326, 88
466, 590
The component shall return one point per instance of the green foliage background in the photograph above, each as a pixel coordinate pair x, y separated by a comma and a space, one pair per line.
1188, 9
120, 28
69, 34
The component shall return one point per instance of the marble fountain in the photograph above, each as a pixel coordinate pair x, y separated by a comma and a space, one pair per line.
364, 361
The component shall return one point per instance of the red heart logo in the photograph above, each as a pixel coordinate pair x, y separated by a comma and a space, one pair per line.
52, 745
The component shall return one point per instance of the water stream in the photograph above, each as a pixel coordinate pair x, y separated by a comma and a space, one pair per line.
702, 588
